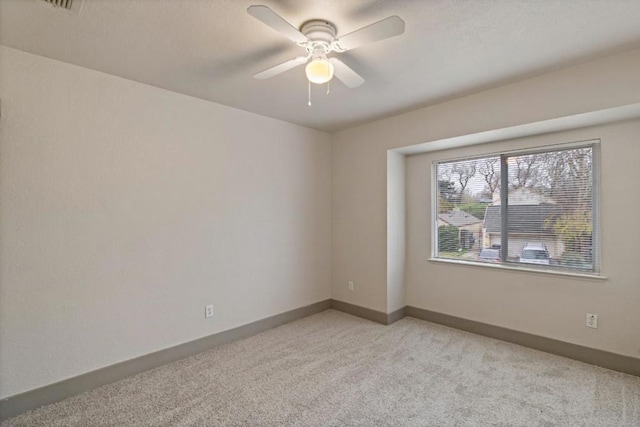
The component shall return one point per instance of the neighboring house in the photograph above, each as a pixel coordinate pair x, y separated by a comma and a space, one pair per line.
527, 223
524, 196
470, 227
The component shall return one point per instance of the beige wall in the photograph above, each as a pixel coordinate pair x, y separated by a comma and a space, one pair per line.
542, 304
125, 209
359, 179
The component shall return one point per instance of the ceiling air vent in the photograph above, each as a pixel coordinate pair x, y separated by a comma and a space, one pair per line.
65, 4
72, 7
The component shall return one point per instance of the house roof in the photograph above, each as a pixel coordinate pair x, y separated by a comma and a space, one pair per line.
458, 218
522, 218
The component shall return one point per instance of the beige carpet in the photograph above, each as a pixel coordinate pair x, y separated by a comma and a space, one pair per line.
332, 369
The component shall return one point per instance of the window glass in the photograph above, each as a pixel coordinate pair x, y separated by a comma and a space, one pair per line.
549, 204
465, 190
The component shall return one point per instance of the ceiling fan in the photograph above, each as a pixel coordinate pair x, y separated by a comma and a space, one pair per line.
318, 37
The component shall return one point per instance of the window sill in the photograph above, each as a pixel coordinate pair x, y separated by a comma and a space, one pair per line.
569, 274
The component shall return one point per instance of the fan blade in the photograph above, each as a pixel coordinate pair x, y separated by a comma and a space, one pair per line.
275, 21
388, 27
280, 68
345, 74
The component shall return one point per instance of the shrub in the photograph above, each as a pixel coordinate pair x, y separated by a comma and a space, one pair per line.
572, 259
448, 238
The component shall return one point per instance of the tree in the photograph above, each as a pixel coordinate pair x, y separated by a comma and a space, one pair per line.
446, 195
523, 170
489, 168
447, 189
465, 171
573, 227
553, 174
568, 180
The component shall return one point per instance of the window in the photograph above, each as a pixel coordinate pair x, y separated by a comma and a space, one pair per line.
534, 209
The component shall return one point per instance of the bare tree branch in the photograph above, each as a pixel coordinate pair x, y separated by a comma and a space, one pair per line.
489, 168
465, 171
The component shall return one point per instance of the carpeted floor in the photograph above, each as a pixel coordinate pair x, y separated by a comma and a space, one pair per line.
333, 369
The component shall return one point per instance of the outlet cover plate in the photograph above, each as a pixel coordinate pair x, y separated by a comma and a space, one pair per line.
208, 311
592, 320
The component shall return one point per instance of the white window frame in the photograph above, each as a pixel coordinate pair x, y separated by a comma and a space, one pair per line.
594, 144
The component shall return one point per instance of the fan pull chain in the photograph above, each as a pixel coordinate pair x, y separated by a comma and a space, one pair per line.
309, 85
328, 87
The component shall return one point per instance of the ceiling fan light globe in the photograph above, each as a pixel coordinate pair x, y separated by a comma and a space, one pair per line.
319, 71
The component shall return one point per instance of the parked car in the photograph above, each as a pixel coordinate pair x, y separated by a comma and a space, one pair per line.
534, 253
489, 255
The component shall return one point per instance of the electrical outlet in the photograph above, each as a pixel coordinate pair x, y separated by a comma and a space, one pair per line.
350, 285
208, 311
592, 320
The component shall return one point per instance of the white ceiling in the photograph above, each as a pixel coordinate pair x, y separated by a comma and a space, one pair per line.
210, 48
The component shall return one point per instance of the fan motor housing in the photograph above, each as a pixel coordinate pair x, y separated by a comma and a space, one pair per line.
319, 30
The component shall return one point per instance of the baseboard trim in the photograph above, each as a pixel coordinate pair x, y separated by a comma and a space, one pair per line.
19, 403
368, 313
396, 315
605, 359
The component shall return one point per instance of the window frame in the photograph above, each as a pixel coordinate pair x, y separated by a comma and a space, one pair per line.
595, 272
